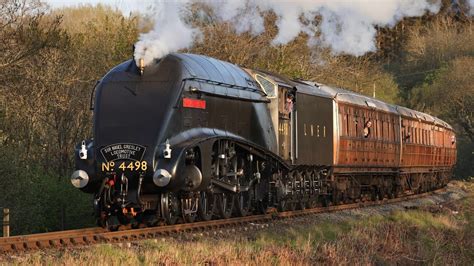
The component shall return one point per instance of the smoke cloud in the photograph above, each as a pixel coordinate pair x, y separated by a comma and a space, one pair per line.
346, 26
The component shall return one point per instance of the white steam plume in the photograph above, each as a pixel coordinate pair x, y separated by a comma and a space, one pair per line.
170, 32
471, 7
347, 26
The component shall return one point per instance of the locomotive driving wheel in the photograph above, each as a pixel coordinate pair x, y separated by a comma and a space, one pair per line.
189, 209
304, 196
288, 204
102, 221
225, 204
282, 205
170, 207
207, 205
243, 199
243, 203
312, 178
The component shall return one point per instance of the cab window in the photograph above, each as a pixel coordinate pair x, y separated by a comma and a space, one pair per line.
268, 86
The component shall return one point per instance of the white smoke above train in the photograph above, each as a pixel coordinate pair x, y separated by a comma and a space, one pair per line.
346, 26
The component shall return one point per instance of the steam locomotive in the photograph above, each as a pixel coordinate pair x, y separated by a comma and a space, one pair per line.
191, 137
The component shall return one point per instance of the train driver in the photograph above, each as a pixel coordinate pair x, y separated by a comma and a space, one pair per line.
289, 102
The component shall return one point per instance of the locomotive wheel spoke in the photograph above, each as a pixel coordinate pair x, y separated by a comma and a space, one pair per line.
225, 205
169, 208
325, 200
381, 193
242, 203
291, 206
123, 219
113, 228
335, 197
207, 205
301, 204
286, 205
191, 216
102, 221
311, 203
282, 205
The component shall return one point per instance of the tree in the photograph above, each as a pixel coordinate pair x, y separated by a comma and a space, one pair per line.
45, 87
449, 94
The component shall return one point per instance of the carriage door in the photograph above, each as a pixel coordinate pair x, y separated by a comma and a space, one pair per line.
285, 108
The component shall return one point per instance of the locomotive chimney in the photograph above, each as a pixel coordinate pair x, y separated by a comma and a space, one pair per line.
141, 65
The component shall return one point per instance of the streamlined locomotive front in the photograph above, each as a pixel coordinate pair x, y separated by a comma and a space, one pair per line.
154, 131
131, 112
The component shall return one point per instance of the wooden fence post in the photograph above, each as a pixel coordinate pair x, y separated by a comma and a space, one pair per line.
6, 222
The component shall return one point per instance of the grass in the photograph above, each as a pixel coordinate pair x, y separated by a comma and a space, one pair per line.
427, 235
423, 220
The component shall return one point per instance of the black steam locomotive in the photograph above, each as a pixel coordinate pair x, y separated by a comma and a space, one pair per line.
191, 137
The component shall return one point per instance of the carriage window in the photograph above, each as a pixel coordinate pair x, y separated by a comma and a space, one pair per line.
408, 134
347, 125
382, 131
377, 129
389, 130
356, 134
396, 132
367, 128
268, 86
342, 123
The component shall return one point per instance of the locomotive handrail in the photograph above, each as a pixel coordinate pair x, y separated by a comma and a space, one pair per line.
91, 104
227, 85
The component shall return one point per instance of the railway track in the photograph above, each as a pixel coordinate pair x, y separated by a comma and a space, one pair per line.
88, 236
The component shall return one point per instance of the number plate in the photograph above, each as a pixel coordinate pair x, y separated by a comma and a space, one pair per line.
124, 157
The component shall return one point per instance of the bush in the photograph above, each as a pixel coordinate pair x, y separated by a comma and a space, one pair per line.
39, 201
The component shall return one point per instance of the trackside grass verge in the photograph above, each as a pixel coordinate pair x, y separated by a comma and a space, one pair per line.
426, 234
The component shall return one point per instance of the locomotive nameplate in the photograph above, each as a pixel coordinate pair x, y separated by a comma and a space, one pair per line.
123, 151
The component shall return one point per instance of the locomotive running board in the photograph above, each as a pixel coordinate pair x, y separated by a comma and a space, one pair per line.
229, 186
